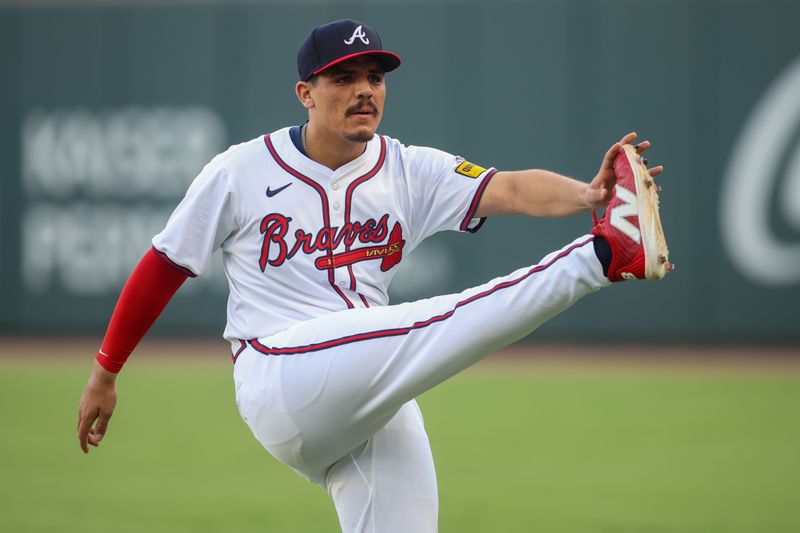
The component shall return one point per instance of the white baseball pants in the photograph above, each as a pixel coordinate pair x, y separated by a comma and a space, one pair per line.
333, 397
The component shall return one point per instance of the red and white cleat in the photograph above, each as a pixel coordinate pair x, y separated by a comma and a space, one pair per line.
631, 223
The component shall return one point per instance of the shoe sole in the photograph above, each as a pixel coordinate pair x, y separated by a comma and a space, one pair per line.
656, 253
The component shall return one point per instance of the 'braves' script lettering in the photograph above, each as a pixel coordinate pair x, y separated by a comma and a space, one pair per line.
275, 227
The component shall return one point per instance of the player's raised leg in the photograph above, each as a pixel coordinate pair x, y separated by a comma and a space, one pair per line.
321, 388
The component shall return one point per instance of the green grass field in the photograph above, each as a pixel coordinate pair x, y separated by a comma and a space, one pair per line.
519, 447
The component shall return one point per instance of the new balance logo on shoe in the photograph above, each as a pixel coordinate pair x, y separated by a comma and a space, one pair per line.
626, 209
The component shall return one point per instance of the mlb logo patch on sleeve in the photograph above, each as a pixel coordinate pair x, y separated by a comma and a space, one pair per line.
470, 170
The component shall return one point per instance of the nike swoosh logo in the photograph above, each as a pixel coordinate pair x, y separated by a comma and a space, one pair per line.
271, 193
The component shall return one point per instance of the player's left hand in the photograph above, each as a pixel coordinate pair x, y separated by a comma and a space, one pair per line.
598, 193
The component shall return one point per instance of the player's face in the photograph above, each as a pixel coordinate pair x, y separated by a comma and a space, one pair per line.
348, 99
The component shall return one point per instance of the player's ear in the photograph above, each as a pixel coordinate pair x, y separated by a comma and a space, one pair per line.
303, 91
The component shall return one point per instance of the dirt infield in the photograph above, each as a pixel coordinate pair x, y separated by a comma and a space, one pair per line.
521, 354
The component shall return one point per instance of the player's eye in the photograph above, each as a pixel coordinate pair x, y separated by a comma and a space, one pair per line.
376, 78
343, 79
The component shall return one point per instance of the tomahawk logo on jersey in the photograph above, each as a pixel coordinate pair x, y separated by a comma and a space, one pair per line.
319, 240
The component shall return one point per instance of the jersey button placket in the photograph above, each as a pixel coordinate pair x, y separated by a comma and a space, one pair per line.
335, 197
336, 201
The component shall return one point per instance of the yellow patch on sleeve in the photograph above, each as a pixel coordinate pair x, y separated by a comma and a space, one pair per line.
470, 170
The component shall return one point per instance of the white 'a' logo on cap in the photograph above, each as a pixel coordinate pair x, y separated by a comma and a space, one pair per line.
357, 33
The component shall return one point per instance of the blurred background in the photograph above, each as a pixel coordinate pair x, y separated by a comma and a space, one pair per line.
676, 412
110, 108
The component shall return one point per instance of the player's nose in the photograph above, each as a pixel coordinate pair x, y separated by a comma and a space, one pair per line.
363, 87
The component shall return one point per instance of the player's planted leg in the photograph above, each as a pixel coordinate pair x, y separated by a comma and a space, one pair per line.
389, 483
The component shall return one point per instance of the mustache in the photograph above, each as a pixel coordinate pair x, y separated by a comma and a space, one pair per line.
355, 108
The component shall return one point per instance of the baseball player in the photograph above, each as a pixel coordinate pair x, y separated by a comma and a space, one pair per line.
312, 221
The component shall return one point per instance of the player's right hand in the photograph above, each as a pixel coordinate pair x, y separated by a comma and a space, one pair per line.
96, 407
601, 188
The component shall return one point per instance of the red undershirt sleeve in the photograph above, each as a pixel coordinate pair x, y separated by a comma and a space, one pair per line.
150, 287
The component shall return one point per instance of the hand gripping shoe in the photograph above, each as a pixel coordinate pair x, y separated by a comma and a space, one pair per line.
631, 223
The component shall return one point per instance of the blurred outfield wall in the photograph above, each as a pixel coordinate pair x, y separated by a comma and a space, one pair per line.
108, 112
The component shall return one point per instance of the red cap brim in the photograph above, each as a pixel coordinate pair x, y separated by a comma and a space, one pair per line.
388, 60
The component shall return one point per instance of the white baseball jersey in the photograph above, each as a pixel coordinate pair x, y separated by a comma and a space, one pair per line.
300, 240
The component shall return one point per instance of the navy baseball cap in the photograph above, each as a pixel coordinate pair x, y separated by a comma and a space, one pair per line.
339, 41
